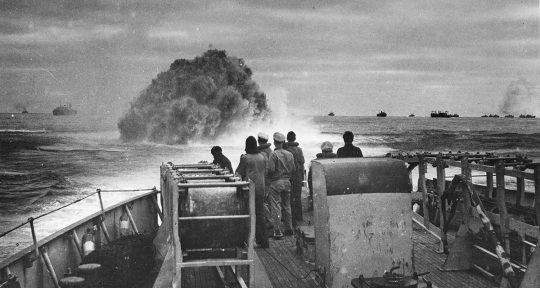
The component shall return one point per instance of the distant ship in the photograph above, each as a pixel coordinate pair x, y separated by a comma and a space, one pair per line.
509, 116
442, 114
24, 111
64, 110
411, 115
381, 114
526, 116
490, 116
331, 114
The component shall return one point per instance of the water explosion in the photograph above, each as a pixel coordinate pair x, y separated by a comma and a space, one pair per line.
195, 100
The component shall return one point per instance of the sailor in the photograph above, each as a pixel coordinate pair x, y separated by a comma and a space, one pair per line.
220, 159
264, 146
280, 169
296, 178
326, 152
253, 167
349, 150
264, 149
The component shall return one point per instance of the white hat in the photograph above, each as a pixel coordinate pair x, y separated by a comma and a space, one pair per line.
278, 137
262, 135
327, 146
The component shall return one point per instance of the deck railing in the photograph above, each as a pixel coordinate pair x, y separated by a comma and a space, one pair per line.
517, 167
99, 223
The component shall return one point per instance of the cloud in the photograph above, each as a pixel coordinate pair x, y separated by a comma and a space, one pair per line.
59, 35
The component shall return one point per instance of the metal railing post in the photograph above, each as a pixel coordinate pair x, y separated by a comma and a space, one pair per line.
34, 238
102, 218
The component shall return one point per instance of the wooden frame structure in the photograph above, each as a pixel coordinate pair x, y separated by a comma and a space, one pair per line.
516, 167
177, 190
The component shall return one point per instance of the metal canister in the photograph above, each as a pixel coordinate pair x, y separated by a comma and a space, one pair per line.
71, 282
92, 273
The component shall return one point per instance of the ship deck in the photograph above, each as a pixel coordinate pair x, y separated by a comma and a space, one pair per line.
279, 265
281, 262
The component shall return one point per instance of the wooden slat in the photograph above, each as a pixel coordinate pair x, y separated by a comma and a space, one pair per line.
484, 168
238, 277
213, 262
186, 171
213, 184
209, 176
519, 174
198, 165
214, 217
453, 163
494, 256
515, 225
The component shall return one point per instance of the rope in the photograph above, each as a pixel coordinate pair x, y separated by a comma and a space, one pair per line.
69, 204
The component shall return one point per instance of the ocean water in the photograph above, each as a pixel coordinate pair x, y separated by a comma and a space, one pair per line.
47, 161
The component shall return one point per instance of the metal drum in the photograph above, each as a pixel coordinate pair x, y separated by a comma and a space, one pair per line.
363, 217
212, 233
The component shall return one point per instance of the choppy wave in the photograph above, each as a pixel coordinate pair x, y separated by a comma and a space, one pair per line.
77, 149
29, 187
21, 131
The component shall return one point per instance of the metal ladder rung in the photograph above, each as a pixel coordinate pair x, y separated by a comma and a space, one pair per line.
214, 217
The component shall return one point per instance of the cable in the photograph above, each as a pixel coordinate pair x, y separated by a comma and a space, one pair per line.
54, 210
290, 272
128, 190
45, 214
13, 229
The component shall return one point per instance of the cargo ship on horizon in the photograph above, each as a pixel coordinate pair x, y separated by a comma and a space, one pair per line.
64, 110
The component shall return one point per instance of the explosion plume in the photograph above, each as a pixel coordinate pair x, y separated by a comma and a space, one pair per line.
520, 98
194, 100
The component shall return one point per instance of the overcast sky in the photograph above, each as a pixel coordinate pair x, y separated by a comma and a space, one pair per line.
349, 57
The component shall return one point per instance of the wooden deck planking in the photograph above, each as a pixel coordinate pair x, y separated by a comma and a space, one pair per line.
426, 258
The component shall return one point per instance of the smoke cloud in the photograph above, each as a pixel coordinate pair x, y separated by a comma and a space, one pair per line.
195, 100
520, 98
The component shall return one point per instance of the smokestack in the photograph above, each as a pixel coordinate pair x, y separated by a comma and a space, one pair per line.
194, 100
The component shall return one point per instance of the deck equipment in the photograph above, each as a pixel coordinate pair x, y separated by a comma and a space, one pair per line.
363, 218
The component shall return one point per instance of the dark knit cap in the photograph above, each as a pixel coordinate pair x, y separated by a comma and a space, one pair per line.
216, 150
291, 136
251, 145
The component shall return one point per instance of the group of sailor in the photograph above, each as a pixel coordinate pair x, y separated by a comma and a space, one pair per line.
278, 176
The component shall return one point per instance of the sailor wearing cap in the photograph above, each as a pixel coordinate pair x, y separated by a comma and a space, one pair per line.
280, 169
326, 152
264, 146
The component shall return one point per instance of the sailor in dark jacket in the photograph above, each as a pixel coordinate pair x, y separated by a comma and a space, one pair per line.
349, 150
220, 159
297, 178
253, 167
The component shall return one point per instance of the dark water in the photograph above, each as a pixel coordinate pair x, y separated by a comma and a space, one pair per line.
47, 160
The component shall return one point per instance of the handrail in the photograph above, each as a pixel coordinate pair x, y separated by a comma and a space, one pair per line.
69, 204
54, 235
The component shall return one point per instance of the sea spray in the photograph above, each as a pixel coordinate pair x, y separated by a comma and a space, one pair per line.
195, 100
